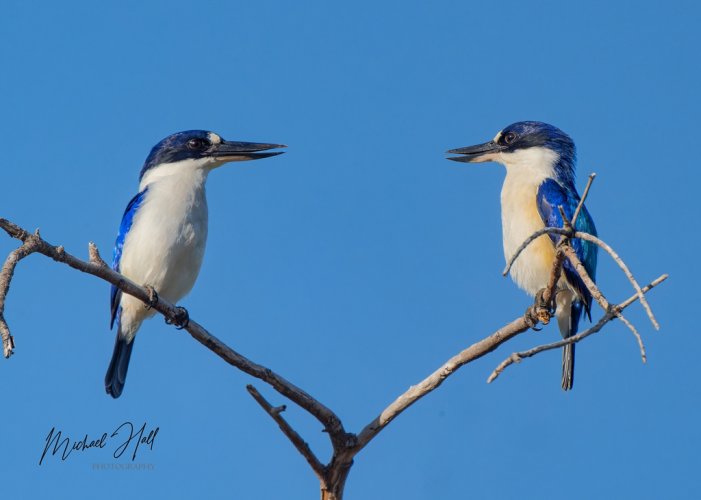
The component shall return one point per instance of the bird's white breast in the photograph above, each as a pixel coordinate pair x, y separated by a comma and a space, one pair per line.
525, 171
165, 246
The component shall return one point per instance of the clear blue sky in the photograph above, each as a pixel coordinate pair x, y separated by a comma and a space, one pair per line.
361, 260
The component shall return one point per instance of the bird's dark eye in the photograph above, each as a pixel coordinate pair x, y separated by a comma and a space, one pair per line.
197, 144
509, 137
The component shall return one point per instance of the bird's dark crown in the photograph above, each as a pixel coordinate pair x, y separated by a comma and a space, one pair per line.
186, 145
529, 134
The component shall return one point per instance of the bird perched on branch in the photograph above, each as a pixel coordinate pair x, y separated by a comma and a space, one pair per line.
162, 236
540, 173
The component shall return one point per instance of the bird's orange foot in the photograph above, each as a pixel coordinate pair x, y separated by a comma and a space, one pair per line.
532, 318
543, 310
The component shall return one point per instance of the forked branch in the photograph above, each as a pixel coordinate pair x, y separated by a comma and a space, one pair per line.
346, 445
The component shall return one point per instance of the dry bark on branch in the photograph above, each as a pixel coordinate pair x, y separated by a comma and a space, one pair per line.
345, 445
516, 357
32, 243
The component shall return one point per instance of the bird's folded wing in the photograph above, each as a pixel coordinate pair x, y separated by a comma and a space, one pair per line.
552, 194
127, 219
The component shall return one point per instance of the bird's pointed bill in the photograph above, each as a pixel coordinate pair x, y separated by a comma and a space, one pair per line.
476, 154
243, 151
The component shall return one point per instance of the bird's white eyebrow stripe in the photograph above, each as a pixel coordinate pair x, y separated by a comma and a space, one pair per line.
496, 137
214, 138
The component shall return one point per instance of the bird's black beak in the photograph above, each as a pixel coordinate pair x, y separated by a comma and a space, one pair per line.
243, 151
476, 154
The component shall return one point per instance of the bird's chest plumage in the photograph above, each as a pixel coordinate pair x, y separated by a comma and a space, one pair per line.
165, 245
520, 218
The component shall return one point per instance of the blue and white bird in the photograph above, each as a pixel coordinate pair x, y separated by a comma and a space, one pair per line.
162, 236
540, 174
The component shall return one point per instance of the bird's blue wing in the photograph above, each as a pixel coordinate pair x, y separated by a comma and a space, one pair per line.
127, 219
551, 195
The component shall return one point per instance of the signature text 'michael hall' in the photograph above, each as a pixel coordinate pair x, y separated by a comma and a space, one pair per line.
125, 436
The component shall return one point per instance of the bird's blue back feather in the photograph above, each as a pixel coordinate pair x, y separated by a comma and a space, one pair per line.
551, 195
127, 220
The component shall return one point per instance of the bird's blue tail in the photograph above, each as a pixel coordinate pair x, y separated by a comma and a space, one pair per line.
117, 371
568, 350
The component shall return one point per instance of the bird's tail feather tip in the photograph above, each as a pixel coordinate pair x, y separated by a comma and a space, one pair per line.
119, 364
567, 367
114, 388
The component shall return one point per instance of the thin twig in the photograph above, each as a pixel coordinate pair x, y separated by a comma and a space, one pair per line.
600, 243
565, 222
626, 271
636, 334
299, 443
598, 295
518, 356
555, 273
529, 240
592, 176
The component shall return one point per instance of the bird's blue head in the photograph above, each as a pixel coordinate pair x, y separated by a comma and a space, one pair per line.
538, 146
204, 149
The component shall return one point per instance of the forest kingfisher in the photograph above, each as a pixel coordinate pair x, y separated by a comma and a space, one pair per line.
540, 173
162, 236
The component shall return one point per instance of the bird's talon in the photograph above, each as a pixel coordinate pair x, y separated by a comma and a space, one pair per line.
529, 316
539, 300
181, 319
543, 310
543, 316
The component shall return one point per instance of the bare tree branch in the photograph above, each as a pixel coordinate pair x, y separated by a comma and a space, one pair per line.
636, 334
592, 176
516, 357
548, 296
624, 268
586, 279
299, 443
531, 239
433, 381
598, 295
8, 270
34, 243
566, 224
346, 445
600, 243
